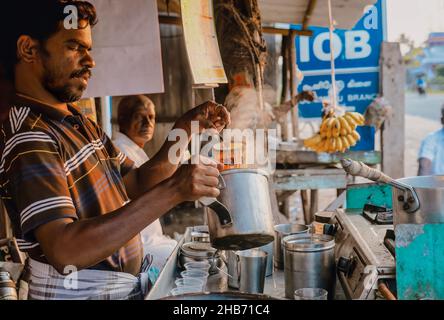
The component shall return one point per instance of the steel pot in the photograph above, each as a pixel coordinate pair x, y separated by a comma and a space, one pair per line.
309, 261
246, 196
416, 200
430, 193
199, 251
282, 230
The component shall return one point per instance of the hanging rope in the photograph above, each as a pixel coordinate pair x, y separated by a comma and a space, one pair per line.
332, 56
332, 105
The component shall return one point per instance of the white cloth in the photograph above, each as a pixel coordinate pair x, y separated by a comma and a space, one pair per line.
153, 239
432, 148
47, 284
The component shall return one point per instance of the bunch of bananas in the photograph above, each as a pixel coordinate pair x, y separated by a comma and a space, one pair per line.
337, 134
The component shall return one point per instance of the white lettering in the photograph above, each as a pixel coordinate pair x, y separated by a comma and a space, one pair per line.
319, 43
71, 21
362, 97
71, 280
324, 85
195, 141
371, 21
177, 149
358, 84
184, 310
357, 44
304, 52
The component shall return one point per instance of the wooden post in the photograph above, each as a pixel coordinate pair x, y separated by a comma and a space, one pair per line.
314, 197
283, 121
392, 88
305, 206
293, 85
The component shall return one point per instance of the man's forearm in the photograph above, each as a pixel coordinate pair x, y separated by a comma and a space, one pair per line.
160, 167
87, 242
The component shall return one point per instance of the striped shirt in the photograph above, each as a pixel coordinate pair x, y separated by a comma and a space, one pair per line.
58, 164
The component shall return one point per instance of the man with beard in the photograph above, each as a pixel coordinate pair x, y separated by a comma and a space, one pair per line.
65, 185
136, 116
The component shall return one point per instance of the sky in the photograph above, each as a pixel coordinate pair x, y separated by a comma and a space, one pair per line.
415, 18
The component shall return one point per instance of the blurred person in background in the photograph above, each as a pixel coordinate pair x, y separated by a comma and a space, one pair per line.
136, 117
431, 153
421, 85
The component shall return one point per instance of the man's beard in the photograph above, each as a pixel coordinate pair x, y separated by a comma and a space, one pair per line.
66, 93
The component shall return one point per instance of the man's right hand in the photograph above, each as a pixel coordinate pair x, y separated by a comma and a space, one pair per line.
194, 181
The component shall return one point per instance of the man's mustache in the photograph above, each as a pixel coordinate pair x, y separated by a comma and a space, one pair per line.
81, 73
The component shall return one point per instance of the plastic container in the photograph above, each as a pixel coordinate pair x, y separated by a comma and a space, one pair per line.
310, 294
190, 282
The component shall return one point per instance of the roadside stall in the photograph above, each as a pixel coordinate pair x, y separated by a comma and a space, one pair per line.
363, 263
242, 247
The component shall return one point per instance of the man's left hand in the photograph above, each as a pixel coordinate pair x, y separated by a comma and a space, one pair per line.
210, 115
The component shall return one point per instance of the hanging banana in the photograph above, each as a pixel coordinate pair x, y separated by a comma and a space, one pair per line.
336, 134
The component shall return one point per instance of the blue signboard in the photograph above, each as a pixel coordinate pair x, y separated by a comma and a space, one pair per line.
357, 53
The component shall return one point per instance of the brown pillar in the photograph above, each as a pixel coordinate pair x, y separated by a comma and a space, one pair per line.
242, 47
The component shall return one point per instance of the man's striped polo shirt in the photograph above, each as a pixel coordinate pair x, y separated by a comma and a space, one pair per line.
58, 164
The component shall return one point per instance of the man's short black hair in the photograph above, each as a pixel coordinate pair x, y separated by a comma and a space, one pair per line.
40, 19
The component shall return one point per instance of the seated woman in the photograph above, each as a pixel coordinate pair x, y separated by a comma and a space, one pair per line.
136, 119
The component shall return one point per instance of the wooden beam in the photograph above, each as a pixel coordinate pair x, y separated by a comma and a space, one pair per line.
308, 13
310, 182
269, 30
286, 32
298, 157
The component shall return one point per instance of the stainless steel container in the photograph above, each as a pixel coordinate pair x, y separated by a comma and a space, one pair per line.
281, 231
416, 200
252, 261
309, 261
430, 192
8, 290
199, 251
252, 267
246, 195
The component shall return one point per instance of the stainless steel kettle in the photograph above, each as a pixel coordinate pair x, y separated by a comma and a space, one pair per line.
247, 198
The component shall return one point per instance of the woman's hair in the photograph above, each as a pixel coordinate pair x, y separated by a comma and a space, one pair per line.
39, 19
126, 108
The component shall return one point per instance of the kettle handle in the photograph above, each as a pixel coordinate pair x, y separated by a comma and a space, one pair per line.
221, 211
410, 200
207, 201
